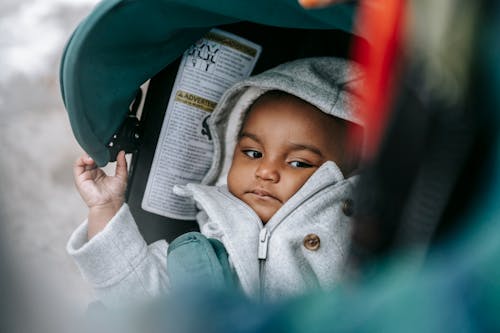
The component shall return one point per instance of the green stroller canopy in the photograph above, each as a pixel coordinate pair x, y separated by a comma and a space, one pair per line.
123, 43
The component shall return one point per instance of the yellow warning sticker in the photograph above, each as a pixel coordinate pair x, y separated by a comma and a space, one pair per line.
196, 101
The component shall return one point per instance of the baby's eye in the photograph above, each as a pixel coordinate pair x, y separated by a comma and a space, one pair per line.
300, 164
252, 153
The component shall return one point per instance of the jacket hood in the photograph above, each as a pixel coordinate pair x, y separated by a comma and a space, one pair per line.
330, 84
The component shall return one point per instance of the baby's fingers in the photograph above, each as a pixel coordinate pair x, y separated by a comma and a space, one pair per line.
82, 164
121, 165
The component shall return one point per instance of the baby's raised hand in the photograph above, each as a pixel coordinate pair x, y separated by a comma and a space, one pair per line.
103, 194
95, 187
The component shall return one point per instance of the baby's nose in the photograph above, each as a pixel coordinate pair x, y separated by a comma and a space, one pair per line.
268, 170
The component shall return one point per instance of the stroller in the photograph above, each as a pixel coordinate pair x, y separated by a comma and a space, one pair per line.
103, 108
414, 191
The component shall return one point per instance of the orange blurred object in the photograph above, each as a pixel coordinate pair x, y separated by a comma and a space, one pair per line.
318, 3
382, 22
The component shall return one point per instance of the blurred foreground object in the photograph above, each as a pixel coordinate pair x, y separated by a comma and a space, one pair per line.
426, 125
319, 3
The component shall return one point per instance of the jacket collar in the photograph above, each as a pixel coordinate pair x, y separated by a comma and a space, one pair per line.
241, 226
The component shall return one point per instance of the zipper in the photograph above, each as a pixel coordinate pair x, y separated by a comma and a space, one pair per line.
262, 255
263, 240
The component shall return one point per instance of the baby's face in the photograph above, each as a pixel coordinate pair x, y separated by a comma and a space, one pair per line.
281, 145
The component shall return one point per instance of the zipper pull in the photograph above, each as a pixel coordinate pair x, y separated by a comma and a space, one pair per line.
263, 239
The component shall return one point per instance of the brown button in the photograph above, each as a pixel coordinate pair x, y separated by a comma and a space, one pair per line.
311, 242
347, 207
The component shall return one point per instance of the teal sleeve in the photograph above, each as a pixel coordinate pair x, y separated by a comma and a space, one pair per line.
195, 261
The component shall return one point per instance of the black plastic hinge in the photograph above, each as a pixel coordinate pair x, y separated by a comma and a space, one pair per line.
128, 137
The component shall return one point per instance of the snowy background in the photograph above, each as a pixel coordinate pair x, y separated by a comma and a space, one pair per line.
39, 206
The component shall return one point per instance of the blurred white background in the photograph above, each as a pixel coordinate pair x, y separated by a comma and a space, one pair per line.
39, 206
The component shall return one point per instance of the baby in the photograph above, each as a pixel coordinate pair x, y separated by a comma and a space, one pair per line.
284, 215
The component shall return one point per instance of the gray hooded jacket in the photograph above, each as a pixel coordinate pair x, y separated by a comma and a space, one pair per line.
302, 247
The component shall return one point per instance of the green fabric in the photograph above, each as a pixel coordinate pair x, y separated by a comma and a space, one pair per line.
122, 43
194, 261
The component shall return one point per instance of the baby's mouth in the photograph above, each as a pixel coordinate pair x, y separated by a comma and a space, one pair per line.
263, 194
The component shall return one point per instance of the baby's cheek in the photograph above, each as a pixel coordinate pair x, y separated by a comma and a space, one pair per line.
298, 182
232, 183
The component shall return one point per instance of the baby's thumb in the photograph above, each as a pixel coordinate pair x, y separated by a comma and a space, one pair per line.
121, 165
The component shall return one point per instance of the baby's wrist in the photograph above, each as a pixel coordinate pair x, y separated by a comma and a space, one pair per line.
111, 206
100, 215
